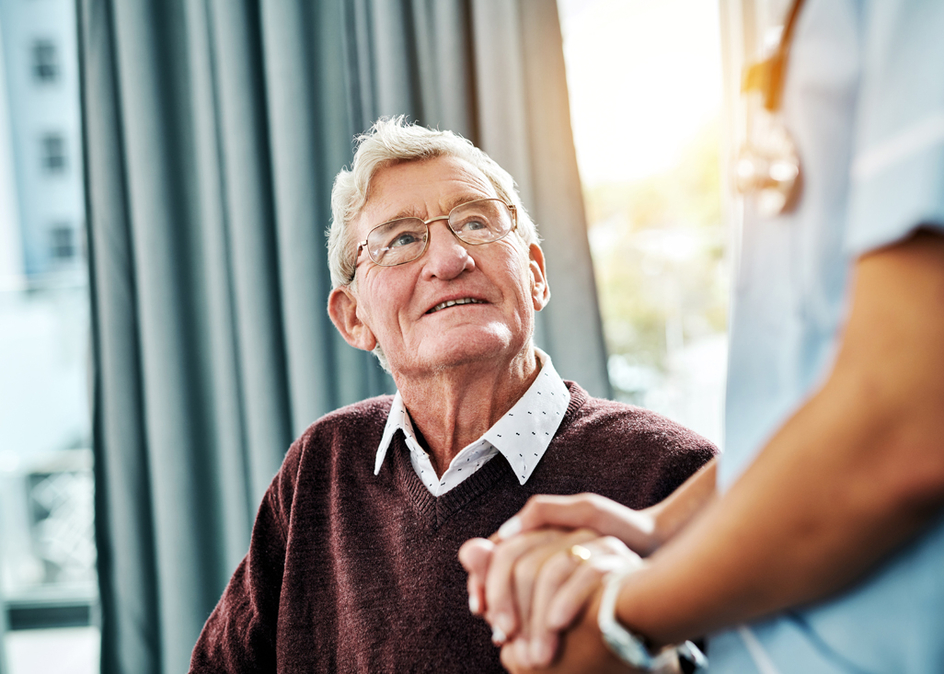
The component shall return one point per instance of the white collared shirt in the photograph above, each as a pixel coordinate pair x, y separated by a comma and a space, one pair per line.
522, 435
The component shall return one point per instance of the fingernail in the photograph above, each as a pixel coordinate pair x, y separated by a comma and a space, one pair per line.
498, 636
510, 528
474, 604
505, 623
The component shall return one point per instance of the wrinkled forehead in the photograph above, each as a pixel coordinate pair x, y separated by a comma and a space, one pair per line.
424, 188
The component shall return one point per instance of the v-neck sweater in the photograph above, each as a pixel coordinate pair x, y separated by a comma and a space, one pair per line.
348, 571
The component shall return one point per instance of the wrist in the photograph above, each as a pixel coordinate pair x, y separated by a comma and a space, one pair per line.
656, 528
633, 647
674, 513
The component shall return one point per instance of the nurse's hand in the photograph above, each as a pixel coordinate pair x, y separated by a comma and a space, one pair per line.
643, 531
638, 529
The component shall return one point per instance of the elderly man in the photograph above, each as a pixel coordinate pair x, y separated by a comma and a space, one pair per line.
353, 560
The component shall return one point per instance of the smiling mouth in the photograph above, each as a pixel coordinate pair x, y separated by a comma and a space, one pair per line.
452, 303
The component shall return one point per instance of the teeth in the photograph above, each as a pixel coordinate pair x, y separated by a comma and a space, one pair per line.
452, 303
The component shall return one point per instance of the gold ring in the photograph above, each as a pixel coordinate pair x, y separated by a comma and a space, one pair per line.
579, 553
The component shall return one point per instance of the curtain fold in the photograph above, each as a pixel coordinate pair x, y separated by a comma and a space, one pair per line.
525, 126
213, 130
3, 630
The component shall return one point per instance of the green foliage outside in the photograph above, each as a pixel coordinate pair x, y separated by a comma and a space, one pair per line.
658, 247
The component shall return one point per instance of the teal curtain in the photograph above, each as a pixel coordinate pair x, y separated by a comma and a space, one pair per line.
3, 633
213, 130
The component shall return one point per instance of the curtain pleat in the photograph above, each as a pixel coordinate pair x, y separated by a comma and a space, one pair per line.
558, 205
3, 626
525, 126
213, 130
123, 524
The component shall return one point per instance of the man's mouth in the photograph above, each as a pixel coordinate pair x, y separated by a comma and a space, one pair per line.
452, 303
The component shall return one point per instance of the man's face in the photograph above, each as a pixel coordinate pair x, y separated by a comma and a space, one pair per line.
402, 308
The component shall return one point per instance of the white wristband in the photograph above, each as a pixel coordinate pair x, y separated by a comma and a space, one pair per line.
631, 648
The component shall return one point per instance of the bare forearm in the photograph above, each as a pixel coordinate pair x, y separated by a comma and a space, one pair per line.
789, 532
678, 510
850, 477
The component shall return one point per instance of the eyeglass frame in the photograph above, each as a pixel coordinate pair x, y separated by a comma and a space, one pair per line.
426, 223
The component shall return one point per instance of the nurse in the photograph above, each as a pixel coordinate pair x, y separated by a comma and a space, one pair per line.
816, 544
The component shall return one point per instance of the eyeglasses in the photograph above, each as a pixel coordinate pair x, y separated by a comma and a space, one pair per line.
406, 239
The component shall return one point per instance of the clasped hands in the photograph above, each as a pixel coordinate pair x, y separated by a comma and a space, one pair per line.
538, 580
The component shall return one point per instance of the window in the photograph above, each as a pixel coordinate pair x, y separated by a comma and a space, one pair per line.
645, 95
62, 242
53, 155
48, 591
45, 61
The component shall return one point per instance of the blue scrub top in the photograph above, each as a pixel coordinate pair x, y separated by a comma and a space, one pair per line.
864, 100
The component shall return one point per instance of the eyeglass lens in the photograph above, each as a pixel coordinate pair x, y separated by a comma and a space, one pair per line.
404, 240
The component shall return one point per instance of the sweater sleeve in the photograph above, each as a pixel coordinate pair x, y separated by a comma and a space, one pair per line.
683, 453
644, 456
240, 634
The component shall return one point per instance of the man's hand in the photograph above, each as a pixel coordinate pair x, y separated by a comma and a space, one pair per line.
589, 511
581, 649
535, 584
528, 587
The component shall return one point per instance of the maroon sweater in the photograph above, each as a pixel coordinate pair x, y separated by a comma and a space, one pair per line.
352, 572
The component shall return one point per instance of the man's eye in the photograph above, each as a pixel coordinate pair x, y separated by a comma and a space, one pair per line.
473, 224
403, 239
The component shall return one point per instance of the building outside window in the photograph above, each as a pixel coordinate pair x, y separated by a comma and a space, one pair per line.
62, 242
53, 153
45, 61
48, 585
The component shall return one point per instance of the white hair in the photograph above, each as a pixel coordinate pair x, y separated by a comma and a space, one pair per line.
392, 141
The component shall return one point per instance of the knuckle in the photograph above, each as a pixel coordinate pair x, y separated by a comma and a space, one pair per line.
595, 500
532, 503
614, 544
536, 503
508, 551
581, 504
595, 573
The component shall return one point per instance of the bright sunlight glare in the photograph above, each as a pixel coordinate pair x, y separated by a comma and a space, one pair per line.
640, 83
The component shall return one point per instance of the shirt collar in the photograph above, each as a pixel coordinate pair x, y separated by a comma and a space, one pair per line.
522, 435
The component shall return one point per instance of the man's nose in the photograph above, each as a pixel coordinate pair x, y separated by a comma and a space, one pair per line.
446, 256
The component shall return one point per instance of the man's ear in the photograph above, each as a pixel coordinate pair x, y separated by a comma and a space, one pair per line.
342, 308
540, 291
